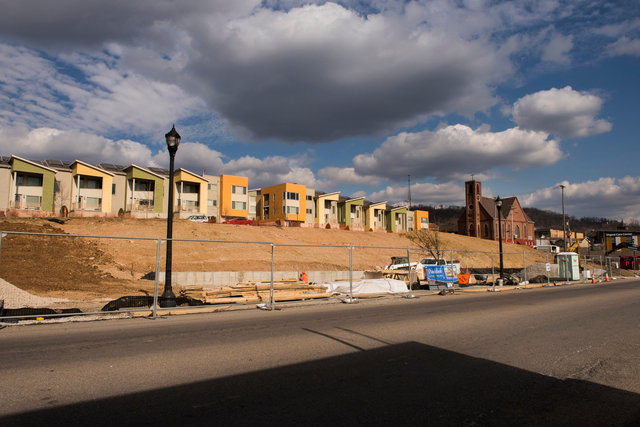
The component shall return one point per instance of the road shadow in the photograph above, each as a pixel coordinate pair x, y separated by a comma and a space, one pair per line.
404, 384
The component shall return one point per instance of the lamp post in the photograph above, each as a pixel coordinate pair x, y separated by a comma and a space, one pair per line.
499, 206
168, 298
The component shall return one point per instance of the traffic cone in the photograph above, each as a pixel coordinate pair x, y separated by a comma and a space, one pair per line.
593, 280
606, 277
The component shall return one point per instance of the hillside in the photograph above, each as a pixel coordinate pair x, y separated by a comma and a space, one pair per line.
447, 220
63, 266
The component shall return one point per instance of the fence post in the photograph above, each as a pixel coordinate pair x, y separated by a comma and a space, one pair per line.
410, 294
273, 247
350, 299
524, 262
545, 265
601, 268
1, 236
154, 312
493, 273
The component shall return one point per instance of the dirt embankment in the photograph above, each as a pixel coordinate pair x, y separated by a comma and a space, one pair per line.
63, 266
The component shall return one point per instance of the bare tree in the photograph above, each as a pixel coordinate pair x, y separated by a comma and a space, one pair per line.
428, 240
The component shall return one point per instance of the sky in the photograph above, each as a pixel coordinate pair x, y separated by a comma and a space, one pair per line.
367, 98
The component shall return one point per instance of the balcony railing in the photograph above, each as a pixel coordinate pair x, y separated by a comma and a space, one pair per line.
84, 206
24, 202
141, 205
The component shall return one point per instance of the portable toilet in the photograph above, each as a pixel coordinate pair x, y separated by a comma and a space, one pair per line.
568, 265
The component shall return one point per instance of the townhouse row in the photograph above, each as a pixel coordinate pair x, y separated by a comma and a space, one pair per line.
54, 187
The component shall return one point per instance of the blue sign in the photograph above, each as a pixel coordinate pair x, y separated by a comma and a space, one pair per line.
440, 273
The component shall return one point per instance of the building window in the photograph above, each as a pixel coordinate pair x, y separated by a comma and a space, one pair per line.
310, 198
30, 180
291, 196
241, 206
93, 202
238, 189
90, 182
212, 187
309, 211
212, 202
113, 189
190, 187
293, 210
143, 186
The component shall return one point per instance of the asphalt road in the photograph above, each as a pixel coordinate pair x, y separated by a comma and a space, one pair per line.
553, 356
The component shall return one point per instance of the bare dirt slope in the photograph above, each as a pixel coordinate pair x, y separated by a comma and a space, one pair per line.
71, 266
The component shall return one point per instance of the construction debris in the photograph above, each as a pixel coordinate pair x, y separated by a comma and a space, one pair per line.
258, 291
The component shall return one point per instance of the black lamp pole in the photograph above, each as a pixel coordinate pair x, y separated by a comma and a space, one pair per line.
168, 298
499, 206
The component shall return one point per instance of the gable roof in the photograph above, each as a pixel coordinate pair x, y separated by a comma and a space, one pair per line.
488, 204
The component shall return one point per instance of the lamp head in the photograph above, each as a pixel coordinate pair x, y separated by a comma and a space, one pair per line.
173, 139
498, 202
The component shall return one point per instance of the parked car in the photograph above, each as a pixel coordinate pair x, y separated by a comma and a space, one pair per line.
198, 218
239, 221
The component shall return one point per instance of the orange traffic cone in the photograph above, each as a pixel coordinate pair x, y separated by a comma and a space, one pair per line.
606, 277
593, 280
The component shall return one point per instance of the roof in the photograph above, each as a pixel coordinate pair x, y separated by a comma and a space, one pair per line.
148, 170
38, 164
489, 205
98, 168
368, 203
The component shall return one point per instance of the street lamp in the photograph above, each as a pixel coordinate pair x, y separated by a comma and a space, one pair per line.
499, 206
168, 298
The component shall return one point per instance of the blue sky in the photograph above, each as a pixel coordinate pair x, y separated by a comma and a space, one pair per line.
350, 96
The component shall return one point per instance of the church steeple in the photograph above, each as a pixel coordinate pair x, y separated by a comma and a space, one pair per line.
473, 193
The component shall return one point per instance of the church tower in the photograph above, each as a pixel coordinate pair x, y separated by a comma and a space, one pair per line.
473, 193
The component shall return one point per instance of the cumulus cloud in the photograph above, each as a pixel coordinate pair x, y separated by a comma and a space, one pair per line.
450, 151
333, 177
605, 197
194, 157
270, 170
284, 69
77, 23
563, 112
319, 73
422, 193
48, 143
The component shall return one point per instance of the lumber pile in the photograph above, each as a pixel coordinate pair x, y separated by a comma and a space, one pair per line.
258, 291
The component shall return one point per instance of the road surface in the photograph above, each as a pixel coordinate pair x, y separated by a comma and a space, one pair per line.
552, 356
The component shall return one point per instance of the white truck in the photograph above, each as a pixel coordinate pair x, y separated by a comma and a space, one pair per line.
401, 263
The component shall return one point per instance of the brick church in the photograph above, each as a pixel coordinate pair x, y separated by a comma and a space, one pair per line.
480, 218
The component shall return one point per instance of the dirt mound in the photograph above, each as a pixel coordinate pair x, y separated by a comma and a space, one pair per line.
50, 264
75, 267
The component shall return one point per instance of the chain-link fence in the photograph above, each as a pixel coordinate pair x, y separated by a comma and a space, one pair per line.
59, 275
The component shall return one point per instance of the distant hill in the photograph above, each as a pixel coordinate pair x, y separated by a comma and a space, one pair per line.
447, 219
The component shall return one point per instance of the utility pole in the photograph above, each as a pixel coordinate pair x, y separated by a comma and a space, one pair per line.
409, 191
564, 223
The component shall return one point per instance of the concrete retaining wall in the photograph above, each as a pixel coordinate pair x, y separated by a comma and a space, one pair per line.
217, 279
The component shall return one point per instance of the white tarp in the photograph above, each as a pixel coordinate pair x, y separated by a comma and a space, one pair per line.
368, 286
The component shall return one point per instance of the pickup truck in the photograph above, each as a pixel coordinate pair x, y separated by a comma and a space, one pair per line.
401, 263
